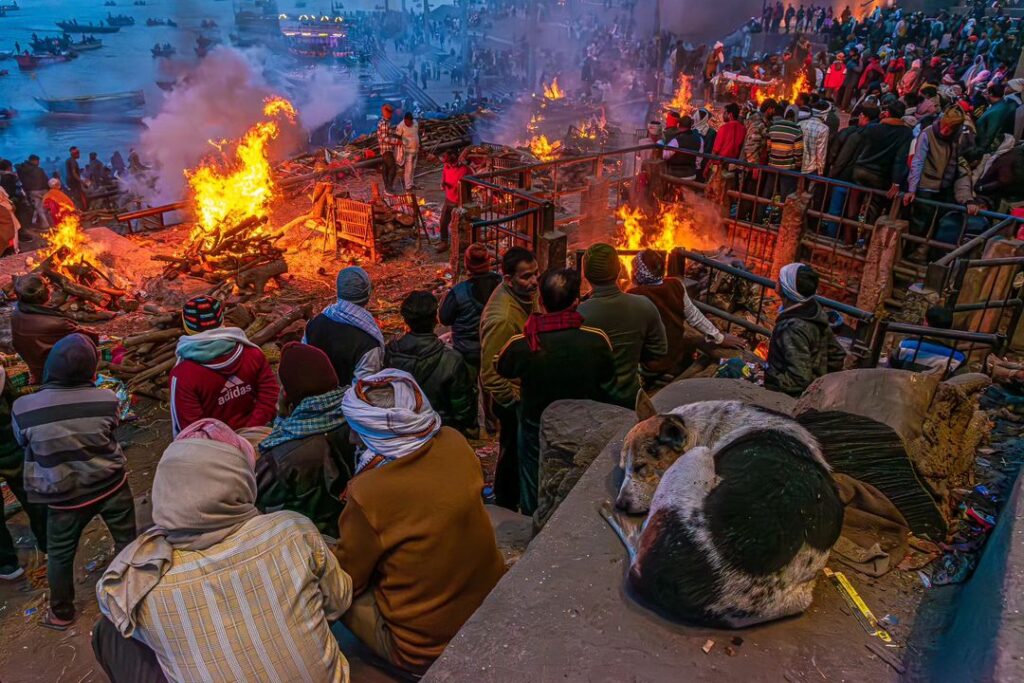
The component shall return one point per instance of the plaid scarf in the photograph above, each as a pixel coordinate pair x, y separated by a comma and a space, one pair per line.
314, 415
549, 322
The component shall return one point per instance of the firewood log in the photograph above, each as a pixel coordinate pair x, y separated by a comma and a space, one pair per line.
154, 336
152, 372
257, 276
276, 327
90, 316
75, 289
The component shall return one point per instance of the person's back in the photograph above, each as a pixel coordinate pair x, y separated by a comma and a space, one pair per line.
219, 373
926, 354
434, 557
249, 607
440, 371
785, 144
570, 364
462, 308
631, 322
802, 347
346, 345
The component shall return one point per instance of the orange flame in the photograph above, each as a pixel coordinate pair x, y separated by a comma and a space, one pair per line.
681, 100
799, 86
672, 228
544, 149
227, 193
553, 92
68, 244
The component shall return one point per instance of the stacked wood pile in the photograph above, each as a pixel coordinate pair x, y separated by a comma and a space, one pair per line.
82, 292
245, 253
434, 134
150, 356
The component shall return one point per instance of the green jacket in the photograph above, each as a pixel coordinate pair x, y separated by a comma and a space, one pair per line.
503, 317
994, 123
636, 331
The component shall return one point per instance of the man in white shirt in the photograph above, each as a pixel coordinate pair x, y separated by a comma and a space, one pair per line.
409, 132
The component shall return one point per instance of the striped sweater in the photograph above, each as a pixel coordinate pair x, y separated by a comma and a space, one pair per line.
785, 145
71, 455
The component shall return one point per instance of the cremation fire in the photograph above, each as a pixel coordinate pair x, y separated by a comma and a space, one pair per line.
672, 227
544, 149
681, 99
224, 194
69, 249
553, 91
799, 86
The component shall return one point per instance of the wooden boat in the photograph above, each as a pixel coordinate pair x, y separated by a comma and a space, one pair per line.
86, 44
6, 54
30, 62
166, 51
95, 105
120, 20
10, 6
75, 27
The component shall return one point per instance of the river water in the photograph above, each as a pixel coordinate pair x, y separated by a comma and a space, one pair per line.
123, 63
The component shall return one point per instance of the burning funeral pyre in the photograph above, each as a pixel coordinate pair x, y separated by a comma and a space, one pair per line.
554, 111
231, 198
688, 224
87, 291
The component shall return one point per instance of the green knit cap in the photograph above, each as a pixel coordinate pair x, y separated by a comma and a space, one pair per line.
601, 264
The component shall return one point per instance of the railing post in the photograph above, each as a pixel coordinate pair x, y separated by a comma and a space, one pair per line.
877, 276
791, 228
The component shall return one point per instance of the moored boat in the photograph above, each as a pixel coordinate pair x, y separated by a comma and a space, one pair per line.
75, 27
119, 20
95, 105
29, 62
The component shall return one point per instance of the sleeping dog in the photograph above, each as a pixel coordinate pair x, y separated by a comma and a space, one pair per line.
741, 512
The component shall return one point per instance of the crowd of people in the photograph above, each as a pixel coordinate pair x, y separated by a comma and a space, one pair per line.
273, 505
928, 118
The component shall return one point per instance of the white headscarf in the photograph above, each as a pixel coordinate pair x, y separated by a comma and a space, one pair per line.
394, 432
787, 282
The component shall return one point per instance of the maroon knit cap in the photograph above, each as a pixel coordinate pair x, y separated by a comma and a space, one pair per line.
305, 371
477, 259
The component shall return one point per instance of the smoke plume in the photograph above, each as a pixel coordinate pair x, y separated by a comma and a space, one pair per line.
220, 100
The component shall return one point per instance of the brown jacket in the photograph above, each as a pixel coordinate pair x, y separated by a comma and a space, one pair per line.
34, 331
430, 560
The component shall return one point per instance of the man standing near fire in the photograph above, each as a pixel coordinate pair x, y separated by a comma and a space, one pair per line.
387, 143
409, 133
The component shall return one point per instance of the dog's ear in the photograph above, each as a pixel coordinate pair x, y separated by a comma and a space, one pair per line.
644, 408
672, 433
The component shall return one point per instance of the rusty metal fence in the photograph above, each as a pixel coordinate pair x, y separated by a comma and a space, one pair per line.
837, 218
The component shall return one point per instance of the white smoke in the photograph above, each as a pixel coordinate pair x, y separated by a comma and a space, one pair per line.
323, 96
219, 100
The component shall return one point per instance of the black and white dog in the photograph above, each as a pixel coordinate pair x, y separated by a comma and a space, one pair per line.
741, 512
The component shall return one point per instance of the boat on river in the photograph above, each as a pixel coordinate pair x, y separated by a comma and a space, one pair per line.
75, 27
119, 20
95, 105
30, 62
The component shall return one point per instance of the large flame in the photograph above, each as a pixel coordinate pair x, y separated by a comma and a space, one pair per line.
799, 86
553, 92
682, 98
670, 229
68, 246
544, 149
227, 192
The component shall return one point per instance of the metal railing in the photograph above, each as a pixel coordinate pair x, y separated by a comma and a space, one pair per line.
838, 222
994, 296
742, 291
963, 347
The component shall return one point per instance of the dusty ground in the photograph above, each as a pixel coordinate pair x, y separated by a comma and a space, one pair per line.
29, 652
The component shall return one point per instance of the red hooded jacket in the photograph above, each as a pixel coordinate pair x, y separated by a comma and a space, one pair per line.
238, 388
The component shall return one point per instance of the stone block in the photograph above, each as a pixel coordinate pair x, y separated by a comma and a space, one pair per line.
572, 434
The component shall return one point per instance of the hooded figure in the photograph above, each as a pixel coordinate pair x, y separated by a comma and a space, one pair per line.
911, 80
205, 516
9, 223
346, 331
219, 372
36, 327
802, 347
57, 203
73, 463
